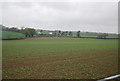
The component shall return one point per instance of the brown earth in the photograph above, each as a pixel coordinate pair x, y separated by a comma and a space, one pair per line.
59, 38
95, 66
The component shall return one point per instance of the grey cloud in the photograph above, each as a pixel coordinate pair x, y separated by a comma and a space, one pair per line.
90, 16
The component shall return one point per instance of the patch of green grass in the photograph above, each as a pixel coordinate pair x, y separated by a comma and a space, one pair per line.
32, 48
88, 36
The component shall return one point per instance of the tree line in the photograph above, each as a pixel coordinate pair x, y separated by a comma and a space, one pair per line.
30, 32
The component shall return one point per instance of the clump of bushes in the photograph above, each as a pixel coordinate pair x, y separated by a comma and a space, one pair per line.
102, 35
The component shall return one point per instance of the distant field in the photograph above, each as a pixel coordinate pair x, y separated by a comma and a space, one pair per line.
11, 35
92, 36
59, 58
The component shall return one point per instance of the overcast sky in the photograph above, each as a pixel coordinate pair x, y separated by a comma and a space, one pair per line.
84, 16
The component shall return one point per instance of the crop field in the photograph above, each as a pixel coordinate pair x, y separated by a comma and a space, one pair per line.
59, 58
11, 35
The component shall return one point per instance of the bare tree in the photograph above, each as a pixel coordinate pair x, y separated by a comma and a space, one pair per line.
59, 33
70, 33
78, 34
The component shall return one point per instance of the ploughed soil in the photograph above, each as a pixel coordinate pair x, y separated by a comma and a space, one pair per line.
61, 38
97, 65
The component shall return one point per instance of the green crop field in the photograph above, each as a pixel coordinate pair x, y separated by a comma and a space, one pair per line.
11, 35
59, 58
